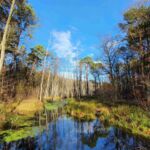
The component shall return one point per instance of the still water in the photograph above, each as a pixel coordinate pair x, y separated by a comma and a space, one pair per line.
65, 133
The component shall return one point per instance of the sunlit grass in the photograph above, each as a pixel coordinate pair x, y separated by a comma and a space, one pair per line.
19, 114
131, 118
29, 107
53, 105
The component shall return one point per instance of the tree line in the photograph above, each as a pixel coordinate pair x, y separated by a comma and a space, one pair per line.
126, 59
125, 62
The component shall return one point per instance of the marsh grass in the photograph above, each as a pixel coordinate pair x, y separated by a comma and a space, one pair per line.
18, 118
53, 105
21, 123
129, 117
17, 127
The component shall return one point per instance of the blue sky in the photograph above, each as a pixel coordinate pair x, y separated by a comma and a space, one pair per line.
76, 26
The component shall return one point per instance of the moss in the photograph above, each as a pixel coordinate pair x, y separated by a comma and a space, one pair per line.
18, 124
14, 135
22, 116
15, 121
51, 106
54, 105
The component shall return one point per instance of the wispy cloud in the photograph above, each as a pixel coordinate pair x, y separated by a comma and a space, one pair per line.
73, 28
63, 46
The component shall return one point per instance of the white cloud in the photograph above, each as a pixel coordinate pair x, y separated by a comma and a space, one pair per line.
63, 46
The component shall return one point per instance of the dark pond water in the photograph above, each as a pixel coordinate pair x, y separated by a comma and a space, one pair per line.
68, 134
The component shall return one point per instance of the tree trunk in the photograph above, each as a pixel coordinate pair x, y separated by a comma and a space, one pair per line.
42, 79
33, 66
80, 82
95, 84
87, 81
99, 82
48, 84
3, 42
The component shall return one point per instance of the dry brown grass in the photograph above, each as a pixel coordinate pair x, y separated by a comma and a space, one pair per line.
29, 106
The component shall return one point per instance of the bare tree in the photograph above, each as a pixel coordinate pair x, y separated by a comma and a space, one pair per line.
110, 48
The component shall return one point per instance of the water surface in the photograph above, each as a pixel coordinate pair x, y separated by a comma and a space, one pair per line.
65, 133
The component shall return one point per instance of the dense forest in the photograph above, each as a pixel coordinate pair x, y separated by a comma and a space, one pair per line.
125, 62
121, 75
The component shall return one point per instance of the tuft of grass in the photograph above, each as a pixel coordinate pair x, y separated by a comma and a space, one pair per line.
81, 110
54, 105
132, 118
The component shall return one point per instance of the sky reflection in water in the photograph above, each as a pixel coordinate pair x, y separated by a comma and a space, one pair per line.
68, 134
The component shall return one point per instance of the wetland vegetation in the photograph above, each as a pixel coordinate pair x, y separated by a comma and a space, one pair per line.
67, 96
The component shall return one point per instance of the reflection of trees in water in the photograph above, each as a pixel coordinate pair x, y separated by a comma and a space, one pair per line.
94, 132
79, 130
55, 134
120, 140
112, 138
27, 143
65, 133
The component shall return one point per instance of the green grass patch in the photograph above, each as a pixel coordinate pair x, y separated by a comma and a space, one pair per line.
54, 105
